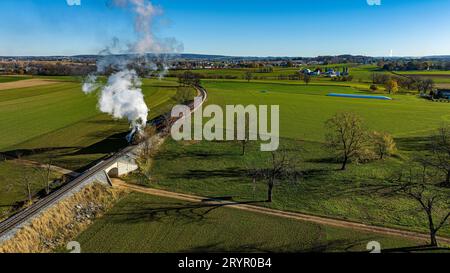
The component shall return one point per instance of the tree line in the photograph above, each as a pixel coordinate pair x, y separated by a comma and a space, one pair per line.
189, 78
402, 65
425, 86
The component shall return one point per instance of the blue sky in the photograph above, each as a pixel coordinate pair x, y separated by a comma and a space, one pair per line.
234, 27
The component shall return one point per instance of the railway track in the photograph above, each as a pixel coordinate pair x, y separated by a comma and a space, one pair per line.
24, 215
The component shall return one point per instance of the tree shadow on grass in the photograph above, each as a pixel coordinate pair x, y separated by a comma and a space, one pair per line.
313, 173
325, 160
339, 245
416, 249
178, 213
69, 157
331, 163
106, 121
198, 155
109, 145
414, 144
18, 153
221, 247
233, 173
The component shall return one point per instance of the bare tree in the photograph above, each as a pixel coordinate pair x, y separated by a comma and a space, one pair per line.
248, 76
43, 173
384, 144
281, 167
244, 143
184, 95
440, 158
189, 78
246, 139
426, 86
345, 136
307, 78
148, 142
147, 150
28, 188
47, 175
418, 182
391, 86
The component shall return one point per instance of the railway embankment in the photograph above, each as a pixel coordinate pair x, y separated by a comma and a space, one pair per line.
63, 221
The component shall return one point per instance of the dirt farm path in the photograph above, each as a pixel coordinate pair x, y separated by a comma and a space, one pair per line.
292, 215
53, 168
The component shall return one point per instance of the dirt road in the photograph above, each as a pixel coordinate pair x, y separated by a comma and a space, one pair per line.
285, 214
53, 168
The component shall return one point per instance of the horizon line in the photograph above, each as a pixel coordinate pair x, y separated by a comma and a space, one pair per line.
238, 56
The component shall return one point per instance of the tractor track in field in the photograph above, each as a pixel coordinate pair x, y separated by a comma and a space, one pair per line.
278, 213
26, 83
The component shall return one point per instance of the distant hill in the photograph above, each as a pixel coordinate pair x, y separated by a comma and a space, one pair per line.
438, 57
208, 57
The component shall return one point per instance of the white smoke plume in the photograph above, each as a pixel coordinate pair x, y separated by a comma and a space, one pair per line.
90, 84
122, 96
144, 16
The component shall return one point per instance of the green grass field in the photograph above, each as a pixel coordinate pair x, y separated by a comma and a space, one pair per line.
141, 224
304, 109
60, 123
429, 72
13, 188
360, 72
438, 76
218, 169
4, 79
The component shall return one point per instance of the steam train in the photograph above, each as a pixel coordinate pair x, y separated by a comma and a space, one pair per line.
161, 123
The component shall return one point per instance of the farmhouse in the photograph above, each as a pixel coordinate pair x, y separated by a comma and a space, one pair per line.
316, 72
306, 71
331, 73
